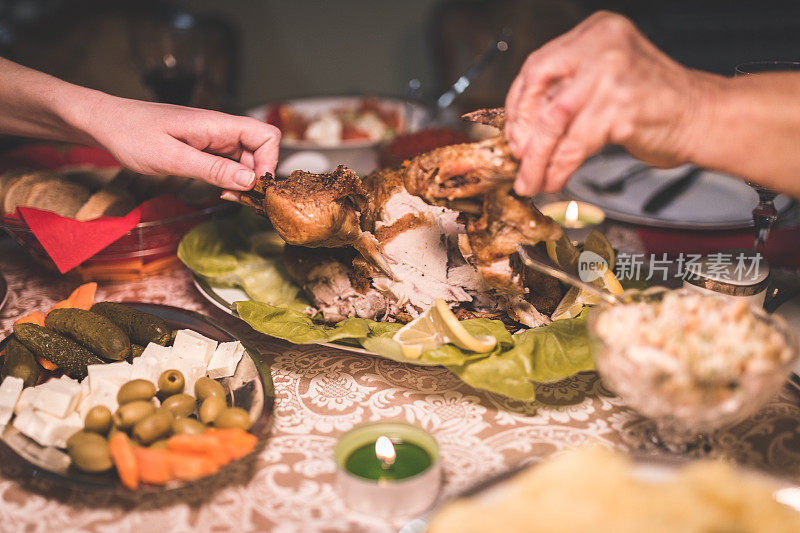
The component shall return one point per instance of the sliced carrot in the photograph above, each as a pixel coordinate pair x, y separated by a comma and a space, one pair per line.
124, 459
237, 441
44, 375
32, 318
190, 466
83, 296
153, 465
208, 445
44, 363
63, 304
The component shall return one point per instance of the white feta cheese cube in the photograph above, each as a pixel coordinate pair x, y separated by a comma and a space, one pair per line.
86, 390
118, 373
46, 429
156, 352
26, 399
148, 368
191, 345
10, 391
192, 371
226, 358
57, 398
104, 394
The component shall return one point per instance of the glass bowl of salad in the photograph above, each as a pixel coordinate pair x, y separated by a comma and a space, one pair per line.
690, 362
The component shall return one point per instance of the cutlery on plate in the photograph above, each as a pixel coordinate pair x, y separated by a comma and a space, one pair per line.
497, 48
617, 185
533, 259
668, 193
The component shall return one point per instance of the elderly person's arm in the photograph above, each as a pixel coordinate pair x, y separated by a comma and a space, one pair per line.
146, 137
605, 83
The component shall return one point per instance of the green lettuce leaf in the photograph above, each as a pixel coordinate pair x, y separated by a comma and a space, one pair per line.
548, 353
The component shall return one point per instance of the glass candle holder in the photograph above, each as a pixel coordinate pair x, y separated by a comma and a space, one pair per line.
577, 218
388, 469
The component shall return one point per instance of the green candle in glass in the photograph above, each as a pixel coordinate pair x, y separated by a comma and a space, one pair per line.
388, 460
388, 469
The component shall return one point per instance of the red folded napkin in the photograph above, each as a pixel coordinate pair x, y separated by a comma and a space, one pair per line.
782, 248
69, 242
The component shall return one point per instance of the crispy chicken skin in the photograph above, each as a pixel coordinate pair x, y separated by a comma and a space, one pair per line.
507, 221
461, 170
318, 210
491, 117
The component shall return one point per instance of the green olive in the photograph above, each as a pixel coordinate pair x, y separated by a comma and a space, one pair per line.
98, 419
170, 382
152, 428
136, 390
160, 444
129, 414
167, 412
180, 404
211, 408
187, 426
233, 417
206, 387
77, 436
89, 452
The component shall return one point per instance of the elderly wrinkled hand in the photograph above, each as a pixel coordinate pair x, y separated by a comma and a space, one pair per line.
601, 83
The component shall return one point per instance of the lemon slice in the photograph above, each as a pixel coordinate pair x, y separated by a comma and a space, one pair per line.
570, 305
563, 253
458, 334
611, 283
435, 327
598, 243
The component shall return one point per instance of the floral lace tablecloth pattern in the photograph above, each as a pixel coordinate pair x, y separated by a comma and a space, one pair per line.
320, 394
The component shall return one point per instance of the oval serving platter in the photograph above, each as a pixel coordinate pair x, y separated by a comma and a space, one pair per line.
250, 388
223, 297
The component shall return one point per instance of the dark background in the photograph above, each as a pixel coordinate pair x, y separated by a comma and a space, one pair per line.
267, 50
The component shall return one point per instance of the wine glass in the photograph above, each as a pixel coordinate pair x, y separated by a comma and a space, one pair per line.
764, 214
170, 54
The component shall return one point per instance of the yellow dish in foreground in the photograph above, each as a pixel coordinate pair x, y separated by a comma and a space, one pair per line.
594, 489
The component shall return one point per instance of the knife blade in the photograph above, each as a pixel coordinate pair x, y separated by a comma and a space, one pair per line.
668, 193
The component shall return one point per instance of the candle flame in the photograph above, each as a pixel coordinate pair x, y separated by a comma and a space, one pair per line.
572, 212
384, 450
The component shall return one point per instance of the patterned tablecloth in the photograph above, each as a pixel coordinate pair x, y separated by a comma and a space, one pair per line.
321, 393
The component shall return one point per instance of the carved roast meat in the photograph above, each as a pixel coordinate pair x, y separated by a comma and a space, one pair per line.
444, 226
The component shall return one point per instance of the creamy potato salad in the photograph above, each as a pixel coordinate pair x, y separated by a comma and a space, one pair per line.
690, 351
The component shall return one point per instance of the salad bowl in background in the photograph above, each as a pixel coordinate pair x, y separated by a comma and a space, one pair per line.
364, 124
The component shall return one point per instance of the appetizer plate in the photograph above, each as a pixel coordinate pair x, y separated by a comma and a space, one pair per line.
647, 469
224, 297
713, 201
250, 388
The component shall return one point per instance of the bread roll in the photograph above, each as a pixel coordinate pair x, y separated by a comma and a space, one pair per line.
7, 179
20, 189
61, 197
107, 202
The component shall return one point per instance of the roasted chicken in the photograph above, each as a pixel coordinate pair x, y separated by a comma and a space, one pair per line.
445, 226
318, 210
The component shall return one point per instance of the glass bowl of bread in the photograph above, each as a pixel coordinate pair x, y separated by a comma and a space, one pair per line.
87, 190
